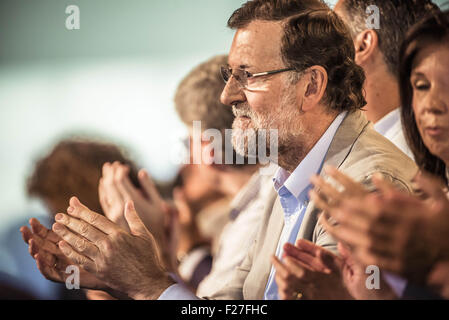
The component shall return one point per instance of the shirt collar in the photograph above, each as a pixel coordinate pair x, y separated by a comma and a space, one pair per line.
387, 122
299, 180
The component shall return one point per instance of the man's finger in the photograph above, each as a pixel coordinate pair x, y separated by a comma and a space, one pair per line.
47, 271
319, 200
344, 233
148, 186
45, 244
329, 191
80, 211
297, 268
105, 205
26, 234
281, 270
309, 254
135, 224
344, 180
33, 248
77, 258
39, 229
184, 212
80, 227
111, 194
80, 244
124, 185
46, 258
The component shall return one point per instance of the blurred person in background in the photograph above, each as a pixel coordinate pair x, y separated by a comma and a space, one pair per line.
197, 99
73, 166
377, 52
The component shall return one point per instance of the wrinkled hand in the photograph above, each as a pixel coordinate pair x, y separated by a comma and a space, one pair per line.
115, 188
309, 272
393, 230
129, 263
51, 262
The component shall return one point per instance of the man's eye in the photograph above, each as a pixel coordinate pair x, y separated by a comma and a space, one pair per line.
421, 85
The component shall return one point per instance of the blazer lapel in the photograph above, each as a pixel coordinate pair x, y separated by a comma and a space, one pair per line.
345, 137
262, 260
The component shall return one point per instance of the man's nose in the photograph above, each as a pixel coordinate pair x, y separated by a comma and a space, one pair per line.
232, 93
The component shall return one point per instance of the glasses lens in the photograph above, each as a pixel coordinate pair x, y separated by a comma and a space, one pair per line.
239, 74
225, 74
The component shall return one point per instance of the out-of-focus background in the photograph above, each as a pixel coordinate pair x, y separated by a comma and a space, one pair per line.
112, 79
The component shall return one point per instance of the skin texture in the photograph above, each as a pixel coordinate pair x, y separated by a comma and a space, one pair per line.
115, 188
51, 262
430, 80
128, 262
293, 109
111, 259
303, 270
381, 86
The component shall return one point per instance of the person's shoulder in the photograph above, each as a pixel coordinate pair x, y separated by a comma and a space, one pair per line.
373, 153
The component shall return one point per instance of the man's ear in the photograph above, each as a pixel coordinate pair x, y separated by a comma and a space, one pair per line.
314, 83
366, 43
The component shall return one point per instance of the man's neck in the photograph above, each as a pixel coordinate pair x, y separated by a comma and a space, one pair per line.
294, 151
382, 95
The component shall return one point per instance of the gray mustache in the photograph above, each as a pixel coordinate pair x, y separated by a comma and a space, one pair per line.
241, 111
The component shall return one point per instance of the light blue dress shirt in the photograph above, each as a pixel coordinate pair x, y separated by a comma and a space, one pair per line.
293, 192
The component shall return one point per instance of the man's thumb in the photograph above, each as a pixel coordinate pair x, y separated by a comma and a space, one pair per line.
134, 222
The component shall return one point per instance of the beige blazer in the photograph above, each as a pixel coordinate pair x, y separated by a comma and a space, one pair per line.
358, 151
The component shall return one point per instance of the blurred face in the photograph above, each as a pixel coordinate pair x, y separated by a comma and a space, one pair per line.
268, 102
430, 83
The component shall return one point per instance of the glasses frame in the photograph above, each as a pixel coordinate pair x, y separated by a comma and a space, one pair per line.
251, 75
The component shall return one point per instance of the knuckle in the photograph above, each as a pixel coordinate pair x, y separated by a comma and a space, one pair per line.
93, 218
80, 260
84, 229
107, 245
80, 245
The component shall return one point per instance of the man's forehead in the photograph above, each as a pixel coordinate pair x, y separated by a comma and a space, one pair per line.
256, 44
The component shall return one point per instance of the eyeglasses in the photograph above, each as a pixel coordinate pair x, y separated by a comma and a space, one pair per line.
242, 75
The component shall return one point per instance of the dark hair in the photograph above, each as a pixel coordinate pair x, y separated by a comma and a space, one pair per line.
396, 17
433, 29
74, 167
313, 35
